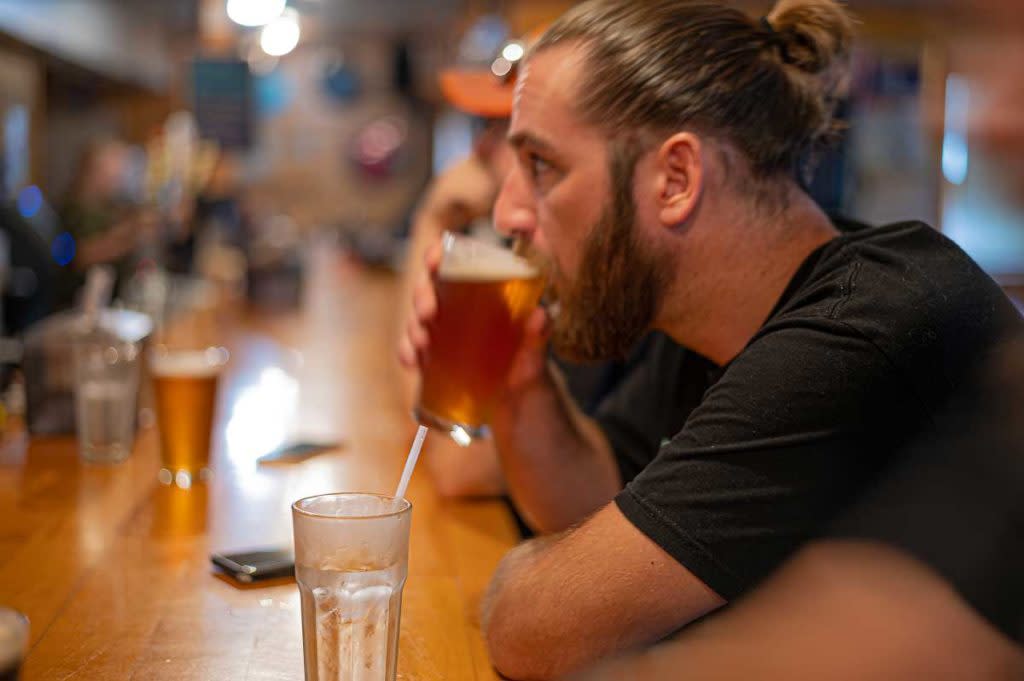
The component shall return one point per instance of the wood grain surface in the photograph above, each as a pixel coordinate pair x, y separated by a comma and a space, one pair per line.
112, 568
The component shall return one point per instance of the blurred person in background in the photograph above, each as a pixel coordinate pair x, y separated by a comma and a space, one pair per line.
220, 203
215, 215
106, 224
28, 273
658, 150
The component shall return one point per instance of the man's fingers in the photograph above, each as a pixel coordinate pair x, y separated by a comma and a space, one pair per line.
417, 335
531, 360
407, 354
424, 300
432, 257
537, 328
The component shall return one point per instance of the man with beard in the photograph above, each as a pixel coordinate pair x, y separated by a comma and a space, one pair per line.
823, 353
921, 577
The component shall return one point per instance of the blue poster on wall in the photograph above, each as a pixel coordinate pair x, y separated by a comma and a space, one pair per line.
222, 101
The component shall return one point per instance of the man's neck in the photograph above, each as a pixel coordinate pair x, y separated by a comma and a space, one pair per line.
746, 270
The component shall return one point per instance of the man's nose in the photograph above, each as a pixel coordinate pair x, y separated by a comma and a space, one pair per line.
514, 213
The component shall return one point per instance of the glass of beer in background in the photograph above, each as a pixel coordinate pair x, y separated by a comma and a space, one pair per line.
485, 294
185, 389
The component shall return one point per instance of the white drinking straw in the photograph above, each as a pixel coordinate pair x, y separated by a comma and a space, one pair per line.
410, 463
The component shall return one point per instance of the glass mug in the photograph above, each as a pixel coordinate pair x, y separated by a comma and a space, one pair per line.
485, 295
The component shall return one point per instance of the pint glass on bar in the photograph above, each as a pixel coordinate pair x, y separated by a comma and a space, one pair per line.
185, 387
484, 296
351, 562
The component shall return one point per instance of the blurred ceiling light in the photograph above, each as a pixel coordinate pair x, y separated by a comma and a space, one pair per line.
955, 152
501, 67
511, 54
255, 12
280, 36
513, 51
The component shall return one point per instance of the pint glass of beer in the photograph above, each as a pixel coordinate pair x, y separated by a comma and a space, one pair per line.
185, 390
484, 296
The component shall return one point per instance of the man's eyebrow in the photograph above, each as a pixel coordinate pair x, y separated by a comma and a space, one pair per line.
521, 139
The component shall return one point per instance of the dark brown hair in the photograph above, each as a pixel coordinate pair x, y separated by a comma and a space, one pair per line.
656, 66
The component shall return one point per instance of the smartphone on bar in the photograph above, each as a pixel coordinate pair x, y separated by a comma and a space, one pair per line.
252, 566
297, 452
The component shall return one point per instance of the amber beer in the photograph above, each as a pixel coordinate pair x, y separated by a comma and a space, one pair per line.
185, 387
484, 296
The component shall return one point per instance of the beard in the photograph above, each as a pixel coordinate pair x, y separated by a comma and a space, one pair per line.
619, 286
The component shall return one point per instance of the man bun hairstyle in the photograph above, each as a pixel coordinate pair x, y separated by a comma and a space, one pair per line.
814, 41
768, 87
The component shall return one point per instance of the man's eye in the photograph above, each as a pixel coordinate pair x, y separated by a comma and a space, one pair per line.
539, 166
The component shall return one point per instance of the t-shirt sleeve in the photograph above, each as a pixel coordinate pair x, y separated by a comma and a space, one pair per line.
651, 403
955, 498
774, 449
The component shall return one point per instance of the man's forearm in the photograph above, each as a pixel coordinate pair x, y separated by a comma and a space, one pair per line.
906, 621
562, 601
558, 466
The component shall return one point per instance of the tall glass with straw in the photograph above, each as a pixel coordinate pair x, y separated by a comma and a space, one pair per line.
351, 563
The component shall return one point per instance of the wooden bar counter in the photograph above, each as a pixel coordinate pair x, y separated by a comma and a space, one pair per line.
112, 568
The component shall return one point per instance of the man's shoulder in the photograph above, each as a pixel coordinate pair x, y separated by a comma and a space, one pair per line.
915, 252
912, 279
895, 277
908, 246
910, 293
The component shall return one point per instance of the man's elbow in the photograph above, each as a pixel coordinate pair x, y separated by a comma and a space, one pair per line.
520, 650
515, 659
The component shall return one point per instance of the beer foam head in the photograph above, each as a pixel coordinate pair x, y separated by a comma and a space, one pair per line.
189, 363
467, 259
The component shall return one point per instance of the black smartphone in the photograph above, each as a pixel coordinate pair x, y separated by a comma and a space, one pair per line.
296, 452
251, 566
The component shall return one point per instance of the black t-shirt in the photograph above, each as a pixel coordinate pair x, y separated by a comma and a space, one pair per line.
870, 338
955, 498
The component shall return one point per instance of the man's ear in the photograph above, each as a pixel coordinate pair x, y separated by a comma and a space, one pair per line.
681, 172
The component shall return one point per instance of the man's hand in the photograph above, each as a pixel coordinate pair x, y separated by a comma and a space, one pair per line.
530, 364
462, 193
414, 340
